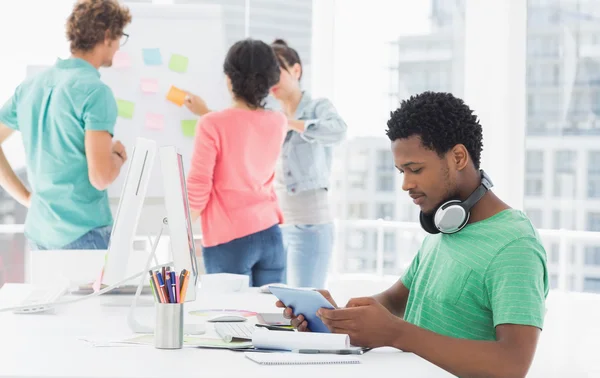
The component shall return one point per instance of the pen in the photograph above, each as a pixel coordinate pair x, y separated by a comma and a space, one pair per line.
161, 285
173, 286
159, 292
329, 351
275, 328
169, 288
177, 288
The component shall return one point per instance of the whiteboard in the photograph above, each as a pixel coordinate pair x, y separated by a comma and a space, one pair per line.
195, 32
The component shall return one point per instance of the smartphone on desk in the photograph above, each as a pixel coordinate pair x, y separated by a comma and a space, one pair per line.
305, 302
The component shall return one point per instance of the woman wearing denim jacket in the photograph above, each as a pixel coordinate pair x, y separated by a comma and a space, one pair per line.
302, 173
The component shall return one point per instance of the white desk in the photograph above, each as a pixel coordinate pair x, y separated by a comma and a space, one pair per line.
49, 345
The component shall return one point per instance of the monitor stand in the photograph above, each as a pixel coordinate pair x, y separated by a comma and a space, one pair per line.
134, 325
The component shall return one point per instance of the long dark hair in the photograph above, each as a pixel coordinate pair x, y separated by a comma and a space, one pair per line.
253, 69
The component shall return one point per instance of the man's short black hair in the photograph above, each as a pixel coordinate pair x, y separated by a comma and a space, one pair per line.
441, 120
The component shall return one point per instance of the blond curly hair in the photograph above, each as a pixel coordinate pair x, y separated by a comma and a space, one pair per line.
91, 19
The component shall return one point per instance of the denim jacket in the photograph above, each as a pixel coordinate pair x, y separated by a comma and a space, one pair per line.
307, 156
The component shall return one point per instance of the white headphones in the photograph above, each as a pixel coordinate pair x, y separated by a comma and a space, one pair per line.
451, 216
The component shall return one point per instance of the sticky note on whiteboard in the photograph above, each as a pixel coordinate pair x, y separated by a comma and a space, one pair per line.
152, 57
149, 85
178, 63
155, 121
188, 128
121, 60
125, 108
176, 96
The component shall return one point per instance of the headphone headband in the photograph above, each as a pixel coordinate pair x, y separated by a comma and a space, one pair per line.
478, 193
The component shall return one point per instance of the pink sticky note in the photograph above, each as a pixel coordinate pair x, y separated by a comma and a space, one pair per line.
155, 121
149, 85
121, 60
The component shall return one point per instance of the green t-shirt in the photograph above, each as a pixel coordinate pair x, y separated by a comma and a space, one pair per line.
492, 272
53, 110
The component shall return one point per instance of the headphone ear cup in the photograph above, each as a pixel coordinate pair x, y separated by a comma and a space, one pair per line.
427, 223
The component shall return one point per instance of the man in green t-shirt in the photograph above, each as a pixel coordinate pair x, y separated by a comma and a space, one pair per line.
66, 116
472, 301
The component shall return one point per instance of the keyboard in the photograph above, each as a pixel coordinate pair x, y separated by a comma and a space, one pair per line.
39, 298
235, 331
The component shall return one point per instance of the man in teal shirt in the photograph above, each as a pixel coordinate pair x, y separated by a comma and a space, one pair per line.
473, 299
66, 116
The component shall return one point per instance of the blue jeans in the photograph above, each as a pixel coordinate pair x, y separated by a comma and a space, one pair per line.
308, 248
260, 256
98, 238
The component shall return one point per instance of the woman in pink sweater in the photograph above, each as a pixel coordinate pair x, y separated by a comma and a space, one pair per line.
230, 183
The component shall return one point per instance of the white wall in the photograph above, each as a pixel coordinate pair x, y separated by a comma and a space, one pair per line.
35, 34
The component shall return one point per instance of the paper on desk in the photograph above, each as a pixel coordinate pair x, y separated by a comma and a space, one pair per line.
191, 341
266, 339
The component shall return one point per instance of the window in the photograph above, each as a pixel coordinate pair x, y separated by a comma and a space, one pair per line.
534, 162
385, 182
591, 285
535, 216
385, 163
564, 219
564, 174
357, 211
594, 174
593, 221
592, 255
534, 187
356, 240
385, 211
389, 242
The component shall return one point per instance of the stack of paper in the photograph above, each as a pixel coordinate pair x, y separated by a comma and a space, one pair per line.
281, 340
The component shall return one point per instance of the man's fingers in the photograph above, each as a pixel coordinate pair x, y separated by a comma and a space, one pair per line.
357, 302
337, 314
279, 304
296, 322
303, 327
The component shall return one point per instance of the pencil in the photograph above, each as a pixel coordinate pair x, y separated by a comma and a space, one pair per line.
161, 299
184, 285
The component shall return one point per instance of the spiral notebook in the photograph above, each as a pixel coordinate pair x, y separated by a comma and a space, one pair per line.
286, 358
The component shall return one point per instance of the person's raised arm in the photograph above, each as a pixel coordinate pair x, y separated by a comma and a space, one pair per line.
328, 127
104, 158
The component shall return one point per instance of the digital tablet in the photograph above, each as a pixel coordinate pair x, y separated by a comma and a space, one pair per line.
305, 302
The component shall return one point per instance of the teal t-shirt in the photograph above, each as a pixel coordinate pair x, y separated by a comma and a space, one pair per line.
490, 273
53, 110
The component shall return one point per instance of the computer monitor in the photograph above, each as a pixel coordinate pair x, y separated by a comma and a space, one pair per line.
128, 213
178, 216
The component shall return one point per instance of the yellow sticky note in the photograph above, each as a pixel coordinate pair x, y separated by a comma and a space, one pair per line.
176, 96
188, 128
121, 60
149, 85
125, 108
178, 63
155, 121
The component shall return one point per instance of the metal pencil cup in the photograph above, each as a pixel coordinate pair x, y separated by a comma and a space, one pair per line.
168, 333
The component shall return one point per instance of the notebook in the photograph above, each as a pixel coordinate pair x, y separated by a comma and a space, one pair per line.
286, 358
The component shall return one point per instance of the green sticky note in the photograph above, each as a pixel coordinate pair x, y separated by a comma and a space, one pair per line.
178, 63
125, 108
188, 127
